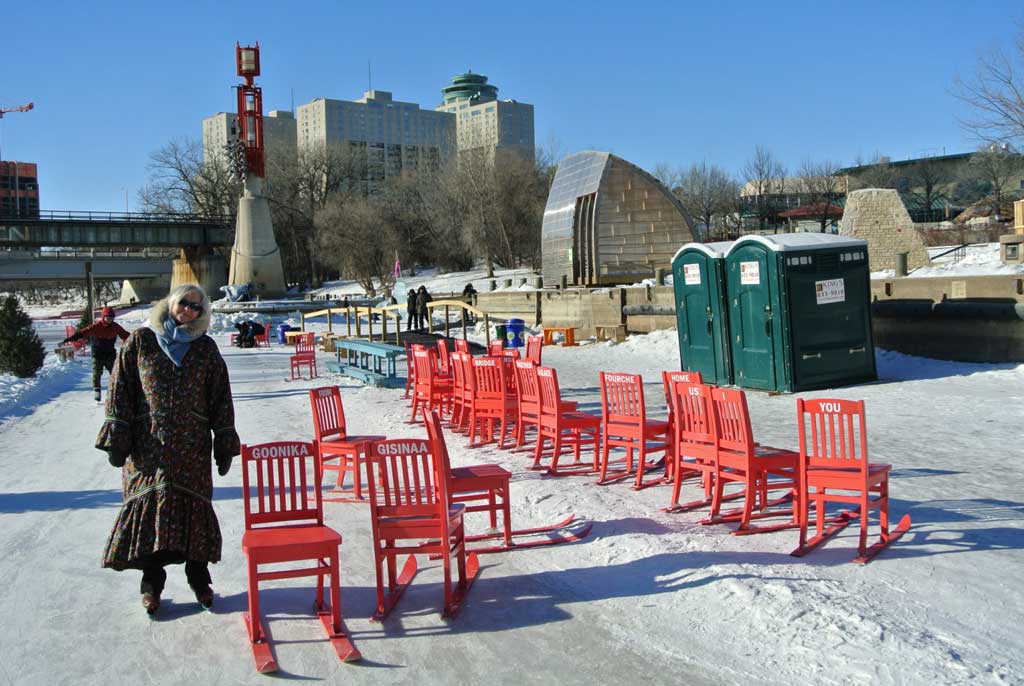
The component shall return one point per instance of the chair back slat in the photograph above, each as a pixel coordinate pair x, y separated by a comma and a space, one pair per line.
276, 484
328, 413
622, 399
489, 373
495, 346
732, 420
691, 403
458, 373
526, 386
461, 345
410, 478
534, 346
443, 357
550, 394
833, 433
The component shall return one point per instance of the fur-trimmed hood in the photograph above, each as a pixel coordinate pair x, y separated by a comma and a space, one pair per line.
162, 310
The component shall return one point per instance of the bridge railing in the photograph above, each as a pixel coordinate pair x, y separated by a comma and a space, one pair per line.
177, 217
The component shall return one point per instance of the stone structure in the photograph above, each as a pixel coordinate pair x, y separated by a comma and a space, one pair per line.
608, 221
878, 216
255, 257
484, 123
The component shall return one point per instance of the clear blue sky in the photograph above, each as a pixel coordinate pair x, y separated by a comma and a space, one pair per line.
650, 81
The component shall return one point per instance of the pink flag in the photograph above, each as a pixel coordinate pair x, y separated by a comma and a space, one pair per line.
398, 269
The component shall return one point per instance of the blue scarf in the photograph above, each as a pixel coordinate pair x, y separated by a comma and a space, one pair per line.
175, 340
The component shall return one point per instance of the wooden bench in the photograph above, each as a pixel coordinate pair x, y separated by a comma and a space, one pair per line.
616, 332
373, 363
568, 335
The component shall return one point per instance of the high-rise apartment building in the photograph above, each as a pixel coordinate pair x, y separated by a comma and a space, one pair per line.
19, 189
394, 136
222, 129
483, 122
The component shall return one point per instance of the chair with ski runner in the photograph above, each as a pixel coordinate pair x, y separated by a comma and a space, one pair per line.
485, 488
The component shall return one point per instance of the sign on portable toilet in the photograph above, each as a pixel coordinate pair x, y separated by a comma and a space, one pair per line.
799, 311
702, 322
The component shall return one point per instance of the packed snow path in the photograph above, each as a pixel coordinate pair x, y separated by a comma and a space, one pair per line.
647, 597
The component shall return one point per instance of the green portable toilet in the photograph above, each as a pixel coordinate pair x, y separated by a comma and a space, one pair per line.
702, 322
799, 311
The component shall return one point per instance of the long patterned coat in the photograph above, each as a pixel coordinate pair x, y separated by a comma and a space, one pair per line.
167, 419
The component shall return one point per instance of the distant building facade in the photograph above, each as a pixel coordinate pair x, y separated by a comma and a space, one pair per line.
484, 124
608, 221
394, 136
221, 129
19, 189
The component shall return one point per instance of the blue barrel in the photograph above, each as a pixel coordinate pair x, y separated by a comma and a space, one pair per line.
281, 328
515, 330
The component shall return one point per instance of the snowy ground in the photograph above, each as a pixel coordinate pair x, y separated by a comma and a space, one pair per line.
981, 259
646, 597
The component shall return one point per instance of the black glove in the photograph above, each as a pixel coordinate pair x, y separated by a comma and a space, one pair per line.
116, 458
65, 341
223, 465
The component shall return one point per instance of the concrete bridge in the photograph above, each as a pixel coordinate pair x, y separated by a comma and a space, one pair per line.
114, 230
152, 252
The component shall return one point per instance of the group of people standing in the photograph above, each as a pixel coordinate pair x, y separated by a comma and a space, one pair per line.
416, 306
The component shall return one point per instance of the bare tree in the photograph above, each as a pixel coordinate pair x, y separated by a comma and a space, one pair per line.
766, 179
670, 176
996, 94
179, 181
928, 178
822, 187
707, 192
353, 235
875, 172
997, 166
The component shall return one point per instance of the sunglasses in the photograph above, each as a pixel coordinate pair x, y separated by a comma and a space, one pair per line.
195, 307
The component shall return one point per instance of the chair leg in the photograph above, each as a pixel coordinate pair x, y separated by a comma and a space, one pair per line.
379, 568
254, 604
335, 593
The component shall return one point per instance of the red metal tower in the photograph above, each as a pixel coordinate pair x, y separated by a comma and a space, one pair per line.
250, 107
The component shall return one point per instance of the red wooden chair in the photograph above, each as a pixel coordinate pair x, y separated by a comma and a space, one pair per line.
429, 391
263, 339
486, 484
694, 440
305, 356
460, 400
625, 425
534, 346
739, 459
337, 450
284, 522
461, 345
494, 400
562, 428
495, 347
834, 467
667, 379
528, 392
411, 513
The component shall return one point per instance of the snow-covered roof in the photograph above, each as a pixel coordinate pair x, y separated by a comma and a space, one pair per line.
784, 242
715, 249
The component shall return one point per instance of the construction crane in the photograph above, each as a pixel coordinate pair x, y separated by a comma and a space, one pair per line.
20, 108
6, 110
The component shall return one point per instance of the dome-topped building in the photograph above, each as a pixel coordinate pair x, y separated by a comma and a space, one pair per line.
469, 86
485, 125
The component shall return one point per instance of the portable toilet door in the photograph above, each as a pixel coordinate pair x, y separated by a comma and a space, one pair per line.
755, 315
698, 272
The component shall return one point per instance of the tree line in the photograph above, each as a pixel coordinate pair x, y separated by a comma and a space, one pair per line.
335, 213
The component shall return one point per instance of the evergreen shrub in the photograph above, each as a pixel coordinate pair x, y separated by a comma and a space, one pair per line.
21, 351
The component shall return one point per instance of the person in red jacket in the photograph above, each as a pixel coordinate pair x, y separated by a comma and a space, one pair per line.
103, 334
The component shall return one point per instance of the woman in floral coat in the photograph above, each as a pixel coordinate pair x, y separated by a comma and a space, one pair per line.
169, 407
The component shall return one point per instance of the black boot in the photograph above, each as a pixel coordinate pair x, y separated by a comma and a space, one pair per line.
151, 601
96, 394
